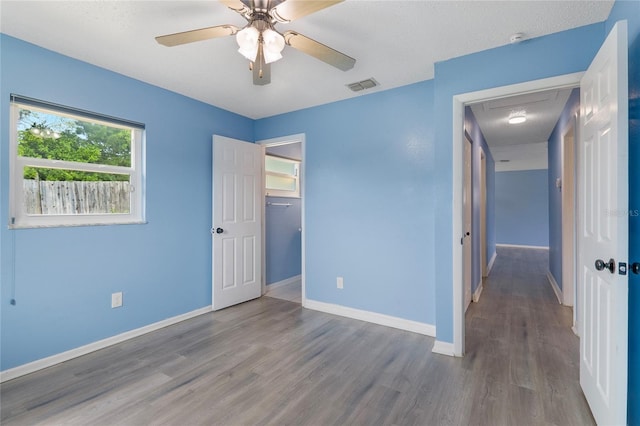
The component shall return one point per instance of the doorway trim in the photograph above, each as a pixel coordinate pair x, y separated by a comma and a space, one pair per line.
286, 140
568, 203
459, 102
469, 231
483, 217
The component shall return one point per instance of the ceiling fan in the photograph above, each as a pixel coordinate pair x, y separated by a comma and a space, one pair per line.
259, 42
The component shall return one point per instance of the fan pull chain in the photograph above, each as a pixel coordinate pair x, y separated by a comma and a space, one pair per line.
260, 57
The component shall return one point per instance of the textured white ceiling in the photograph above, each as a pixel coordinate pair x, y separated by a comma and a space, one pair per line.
531, 156
520, 146
394, 41
542, 110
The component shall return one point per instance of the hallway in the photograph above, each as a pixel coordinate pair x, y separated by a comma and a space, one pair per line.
519, 341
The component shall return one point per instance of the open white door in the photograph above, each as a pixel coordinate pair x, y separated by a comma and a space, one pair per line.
602, 232
237, 221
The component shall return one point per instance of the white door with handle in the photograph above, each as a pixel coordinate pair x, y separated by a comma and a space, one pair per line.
237, 221
602, 230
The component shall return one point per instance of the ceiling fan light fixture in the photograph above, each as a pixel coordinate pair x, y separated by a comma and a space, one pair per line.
270, 57
248, 39
517, 117
273, 43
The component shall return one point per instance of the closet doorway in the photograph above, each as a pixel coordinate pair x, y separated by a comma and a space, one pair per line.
284, 218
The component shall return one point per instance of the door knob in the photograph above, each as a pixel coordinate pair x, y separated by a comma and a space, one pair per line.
610, 265
219, 230
635, 268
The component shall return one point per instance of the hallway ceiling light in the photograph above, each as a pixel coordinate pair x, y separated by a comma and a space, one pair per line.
517, 117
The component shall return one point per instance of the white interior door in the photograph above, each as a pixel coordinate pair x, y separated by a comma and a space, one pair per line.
237, 221
466, 239
603, 226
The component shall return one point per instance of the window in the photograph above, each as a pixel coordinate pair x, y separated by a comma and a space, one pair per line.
282, 177
71, 167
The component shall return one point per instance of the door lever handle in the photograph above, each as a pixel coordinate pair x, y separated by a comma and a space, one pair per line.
635, 268
610, 265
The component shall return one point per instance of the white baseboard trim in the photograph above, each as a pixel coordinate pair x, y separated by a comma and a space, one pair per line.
491, 262
443, 348
554, 286
40, 364
284, 282
373, 317
477, 293
523, 246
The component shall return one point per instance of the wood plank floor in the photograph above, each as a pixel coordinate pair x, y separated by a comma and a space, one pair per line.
271, 362
291, 292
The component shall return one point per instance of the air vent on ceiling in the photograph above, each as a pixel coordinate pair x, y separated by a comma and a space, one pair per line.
362, 85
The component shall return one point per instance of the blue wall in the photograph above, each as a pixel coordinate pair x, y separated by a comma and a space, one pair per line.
630, 10
522, 208
556, 54
479, 144
555, 195
62, 278
369, 164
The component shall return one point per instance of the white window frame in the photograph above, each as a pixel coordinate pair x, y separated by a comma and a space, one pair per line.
296, 177
18, 217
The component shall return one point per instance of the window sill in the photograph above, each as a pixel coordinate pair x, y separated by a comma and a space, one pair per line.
74, 225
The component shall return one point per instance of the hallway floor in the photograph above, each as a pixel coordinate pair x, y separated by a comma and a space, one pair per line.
520, 344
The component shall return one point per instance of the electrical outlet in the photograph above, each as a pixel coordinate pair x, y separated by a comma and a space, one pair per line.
340, 282
116, 300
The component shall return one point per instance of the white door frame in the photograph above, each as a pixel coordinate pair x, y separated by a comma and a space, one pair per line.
286, 140
568, 191
483, 216
469, 230
459, 102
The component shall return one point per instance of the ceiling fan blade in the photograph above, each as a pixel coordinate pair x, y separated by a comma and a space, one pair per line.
289, 10
319, 51
196, 35
236, 5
